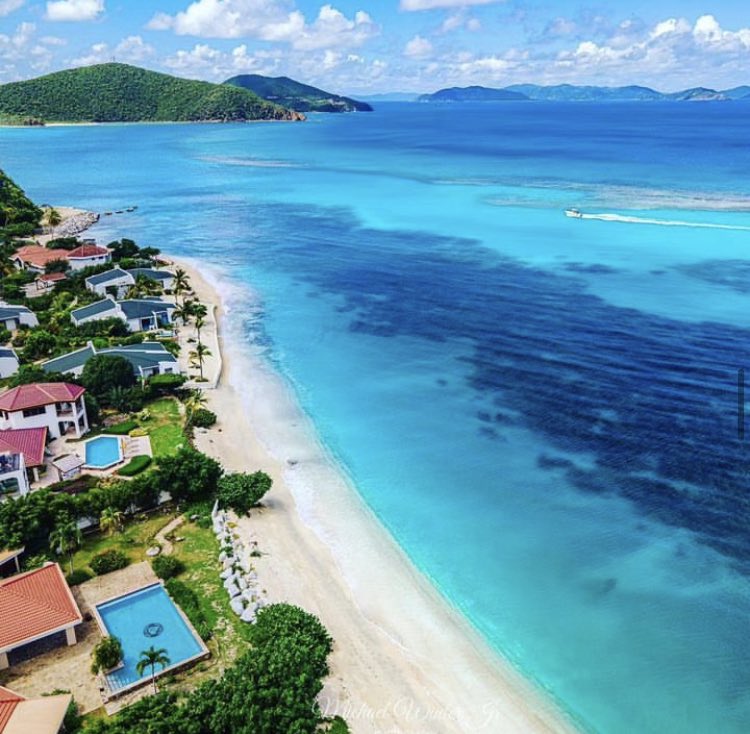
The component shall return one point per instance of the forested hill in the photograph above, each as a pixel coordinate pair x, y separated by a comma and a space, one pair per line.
18, 214
295, 95
123, 93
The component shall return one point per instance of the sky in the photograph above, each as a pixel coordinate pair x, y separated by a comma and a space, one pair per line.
372, 46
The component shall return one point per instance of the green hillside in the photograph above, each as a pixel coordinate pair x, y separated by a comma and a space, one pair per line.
122, 93
19, 216
295, 95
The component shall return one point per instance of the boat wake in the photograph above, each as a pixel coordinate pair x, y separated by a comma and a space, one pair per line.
661, 222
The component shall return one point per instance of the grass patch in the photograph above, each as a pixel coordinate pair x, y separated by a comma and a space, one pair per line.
164, 427
121, 429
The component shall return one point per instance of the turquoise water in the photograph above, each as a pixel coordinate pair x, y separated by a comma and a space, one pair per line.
542, 411
144, 619
103, 451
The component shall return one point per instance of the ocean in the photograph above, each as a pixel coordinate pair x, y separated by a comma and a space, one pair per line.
543, 411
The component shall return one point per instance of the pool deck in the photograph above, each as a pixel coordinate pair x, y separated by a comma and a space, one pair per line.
69, 668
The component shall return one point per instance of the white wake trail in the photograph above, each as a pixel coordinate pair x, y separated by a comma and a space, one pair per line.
662, 222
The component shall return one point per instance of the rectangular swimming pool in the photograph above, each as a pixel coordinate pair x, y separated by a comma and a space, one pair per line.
144, 618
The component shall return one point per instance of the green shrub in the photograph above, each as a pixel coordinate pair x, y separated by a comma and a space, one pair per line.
78, 577
188, 601
166, 384
241, 492
202, 418
110, 560
135, 466
107, 654
167, 567
121, 429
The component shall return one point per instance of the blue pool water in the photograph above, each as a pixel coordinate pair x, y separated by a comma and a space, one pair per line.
542, 411
143, 619
103, 451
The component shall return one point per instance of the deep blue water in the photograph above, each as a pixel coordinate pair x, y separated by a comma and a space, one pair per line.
543, 411
145, 619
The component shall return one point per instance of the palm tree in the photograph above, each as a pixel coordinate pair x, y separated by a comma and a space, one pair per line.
197, 356
195, 400
52, 218
184, 312
180, 282
143, 286
150, 659
111, 521
65, 538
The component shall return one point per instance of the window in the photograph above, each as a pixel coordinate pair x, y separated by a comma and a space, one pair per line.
34, 411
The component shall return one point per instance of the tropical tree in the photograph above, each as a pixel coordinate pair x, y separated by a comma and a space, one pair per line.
184, 312
107, 654
198, 355
143, 286
65, 538
52, 218
150, 659
180, 282
194, 401
111, 521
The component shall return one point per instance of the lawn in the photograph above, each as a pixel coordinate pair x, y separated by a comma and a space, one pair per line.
164, 427
133, 541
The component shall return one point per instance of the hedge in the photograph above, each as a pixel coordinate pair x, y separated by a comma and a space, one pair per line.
110, 560
121, 429
135, 466
187, 600
167, 567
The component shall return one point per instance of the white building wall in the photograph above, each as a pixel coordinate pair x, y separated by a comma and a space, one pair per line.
119, 283
49, 418
80, 263
8, 366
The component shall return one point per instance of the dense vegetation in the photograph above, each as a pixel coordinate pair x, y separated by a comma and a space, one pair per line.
295, 95
270, 689
19, 216
122, 93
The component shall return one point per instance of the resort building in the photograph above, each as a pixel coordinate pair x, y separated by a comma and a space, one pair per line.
57, 406
140, 314
34, 606
88, 256
13, 317
147, 359
8, 362
47, 281
20, 715
21, 452
117, 281
36, 257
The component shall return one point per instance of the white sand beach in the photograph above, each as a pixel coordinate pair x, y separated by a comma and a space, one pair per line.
404, 660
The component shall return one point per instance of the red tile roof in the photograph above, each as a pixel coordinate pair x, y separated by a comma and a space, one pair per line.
52, 277
27, 441
35, 603
39, 394
38, 255
88, 251
8, 703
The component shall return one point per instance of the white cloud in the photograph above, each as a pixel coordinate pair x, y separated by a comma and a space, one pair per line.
459, 20
411, 5
132, 50
268, 20
74, 10
418, 48
9, 6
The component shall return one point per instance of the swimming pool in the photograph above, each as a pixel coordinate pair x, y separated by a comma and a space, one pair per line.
142, 619
103, 452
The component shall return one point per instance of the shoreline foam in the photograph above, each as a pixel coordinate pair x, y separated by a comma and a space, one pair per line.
404, 660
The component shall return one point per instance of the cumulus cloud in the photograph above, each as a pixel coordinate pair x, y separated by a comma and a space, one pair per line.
9, 6
268, 20
132, 49
74, 10
411, 5
418, 48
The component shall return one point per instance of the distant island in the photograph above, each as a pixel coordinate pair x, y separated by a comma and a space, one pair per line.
295, 95
573, 93
123, 93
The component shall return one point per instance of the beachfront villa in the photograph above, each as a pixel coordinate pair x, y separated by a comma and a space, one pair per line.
88, 256
140, 314
8, 362
35, 606
147, 359
36, 258
118, 281
13, 317
57, 407
21, 715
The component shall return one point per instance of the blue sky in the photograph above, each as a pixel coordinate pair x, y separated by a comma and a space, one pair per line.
366, 46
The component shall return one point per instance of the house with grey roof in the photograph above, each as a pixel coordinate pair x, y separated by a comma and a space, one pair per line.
117, 281
140, 314
13, 317
147, 359
163, 277
8, 362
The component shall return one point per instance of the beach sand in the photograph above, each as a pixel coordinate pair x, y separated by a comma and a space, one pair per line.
404, 660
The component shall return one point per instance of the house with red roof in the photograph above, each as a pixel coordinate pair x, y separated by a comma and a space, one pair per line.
57, 406
36, 258
34, 606
21, 715
21, 451
87, 256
